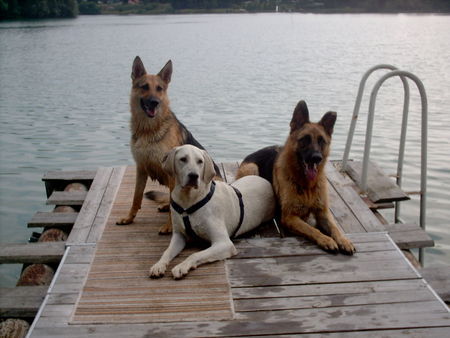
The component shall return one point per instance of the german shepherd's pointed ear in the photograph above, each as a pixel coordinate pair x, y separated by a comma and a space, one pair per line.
300, 116
168, 161
166, 72
208, 169
138, 69
328, 121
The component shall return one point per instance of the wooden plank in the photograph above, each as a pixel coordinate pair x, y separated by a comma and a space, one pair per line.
67, 198
324, 289
21, 301
53, 219
79, 175
380, 187
58, 180
88, 212
230, 170
296, 246
325, 301
260, 272
342, 213
439, 279
106, 205
204, 329
343, 186
408, 236
46, 252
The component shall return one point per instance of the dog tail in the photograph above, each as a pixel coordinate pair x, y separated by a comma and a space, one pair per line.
158, 196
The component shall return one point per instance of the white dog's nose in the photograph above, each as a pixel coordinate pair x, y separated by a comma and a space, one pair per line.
193, 177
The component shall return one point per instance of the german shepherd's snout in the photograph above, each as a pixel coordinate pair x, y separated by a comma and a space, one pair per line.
149, 106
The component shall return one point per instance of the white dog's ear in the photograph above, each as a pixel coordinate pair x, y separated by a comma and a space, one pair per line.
168, 161
208, 169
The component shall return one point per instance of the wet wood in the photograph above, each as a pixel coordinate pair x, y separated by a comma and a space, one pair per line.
380, 187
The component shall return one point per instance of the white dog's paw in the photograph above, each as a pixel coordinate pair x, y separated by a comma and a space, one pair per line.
181, 270
157, 270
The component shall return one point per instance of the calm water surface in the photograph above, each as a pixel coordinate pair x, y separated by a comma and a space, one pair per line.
64, 87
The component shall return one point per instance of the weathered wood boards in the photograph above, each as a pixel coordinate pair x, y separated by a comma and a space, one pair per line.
380, 187
96, 206
21, 301
327, 294
439, 279
45, 252
58, 180
53, 219
274, 286
408, 236
67, 198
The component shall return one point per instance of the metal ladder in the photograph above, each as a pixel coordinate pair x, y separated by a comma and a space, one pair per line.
404, 76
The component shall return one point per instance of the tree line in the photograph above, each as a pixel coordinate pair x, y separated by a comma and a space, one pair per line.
38, 9
200, 6
14, 9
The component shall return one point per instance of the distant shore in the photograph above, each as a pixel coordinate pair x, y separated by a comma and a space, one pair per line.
14, 10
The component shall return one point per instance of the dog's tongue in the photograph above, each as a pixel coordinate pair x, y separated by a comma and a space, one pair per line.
311, 171
150, 112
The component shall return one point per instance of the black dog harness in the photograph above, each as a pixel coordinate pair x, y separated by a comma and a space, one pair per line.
186, 212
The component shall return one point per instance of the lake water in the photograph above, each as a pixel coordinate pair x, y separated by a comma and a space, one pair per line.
64, 87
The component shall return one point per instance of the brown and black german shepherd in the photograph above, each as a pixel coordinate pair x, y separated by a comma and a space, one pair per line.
296, 171
155, 130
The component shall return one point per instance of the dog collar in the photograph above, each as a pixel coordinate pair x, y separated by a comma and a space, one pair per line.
186, 212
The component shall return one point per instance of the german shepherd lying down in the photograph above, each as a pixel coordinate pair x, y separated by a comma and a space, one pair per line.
296, 171
155, 130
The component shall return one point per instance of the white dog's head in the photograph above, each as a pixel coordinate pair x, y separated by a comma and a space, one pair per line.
189, 165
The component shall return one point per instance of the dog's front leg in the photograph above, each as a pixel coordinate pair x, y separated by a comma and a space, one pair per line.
296, 225
141, 181
177, 243
325, 222
217, 251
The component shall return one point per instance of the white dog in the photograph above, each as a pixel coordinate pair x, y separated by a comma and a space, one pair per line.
213, 211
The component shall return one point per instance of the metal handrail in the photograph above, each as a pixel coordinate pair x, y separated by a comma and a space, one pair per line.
424, 139
357, 107
404, 76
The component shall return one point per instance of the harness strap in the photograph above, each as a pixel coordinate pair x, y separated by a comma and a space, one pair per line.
186, 212
241, 207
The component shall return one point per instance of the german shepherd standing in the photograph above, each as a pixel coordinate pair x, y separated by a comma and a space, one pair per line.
297, 173
155, 130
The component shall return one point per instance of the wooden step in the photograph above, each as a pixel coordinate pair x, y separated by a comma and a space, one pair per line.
380, 187
67, 198
439, 279
21, 301
409, 236
80, 175
46, 252
53, 219
58, 180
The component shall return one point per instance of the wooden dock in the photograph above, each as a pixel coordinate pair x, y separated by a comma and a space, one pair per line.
273, 287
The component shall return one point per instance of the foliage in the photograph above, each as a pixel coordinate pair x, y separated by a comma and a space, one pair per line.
89, 8
10, 9
38, 9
